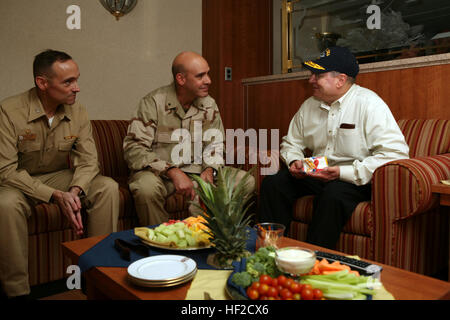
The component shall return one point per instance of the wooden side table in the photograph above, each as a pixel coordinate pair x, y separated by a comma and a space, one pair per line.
444, 200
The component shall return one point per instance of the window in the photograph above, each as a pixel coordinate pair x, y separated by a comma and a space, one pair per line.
374, 30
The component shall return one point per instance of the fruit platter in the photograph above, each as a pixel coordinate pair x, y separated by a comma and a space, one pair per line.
259, 278
188, 234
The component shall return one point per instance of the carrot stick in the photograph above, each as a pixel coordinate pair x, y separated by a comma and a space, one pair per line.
330, 272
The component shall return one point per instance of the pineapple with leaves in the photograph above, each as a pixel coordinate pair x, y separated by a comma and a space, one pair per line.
226, 205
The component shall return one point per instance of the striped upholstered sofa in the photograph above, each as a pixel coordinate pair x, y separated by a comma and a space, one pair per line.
402, 225
47, 227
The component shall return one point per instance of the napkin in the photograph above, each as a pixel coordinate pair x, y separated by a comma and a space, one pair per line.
211, 281
382, 294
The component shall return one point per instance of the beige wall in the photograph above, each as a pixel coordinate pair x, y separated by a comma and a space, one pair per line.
120, 61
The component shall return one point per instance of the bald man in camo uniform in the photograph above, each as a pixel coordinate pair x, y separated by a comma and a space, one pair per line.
149, 144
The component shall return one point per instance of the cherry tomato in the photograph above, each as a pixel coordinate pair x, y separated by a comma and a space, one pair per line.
288, 283
255, 285
295, 287
279, 288
318, 294
307, 294
252, 293
307, 286
263, 288
265, 279
274, 282
296, 296
282, 280
272, 292
286, 294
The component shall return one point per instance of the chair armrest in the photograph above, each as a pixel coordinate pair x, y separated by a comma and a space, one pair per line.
402, 188
401, 199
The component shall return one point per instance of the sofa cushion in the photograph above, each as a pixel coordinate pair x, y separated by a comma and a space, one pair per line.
47, 218
360, 222
426, 137
108, 136
177, 206
46, 261
126, 199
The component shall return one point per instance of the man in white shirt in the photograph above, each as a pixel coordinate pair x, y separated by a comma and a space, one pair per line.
351, 126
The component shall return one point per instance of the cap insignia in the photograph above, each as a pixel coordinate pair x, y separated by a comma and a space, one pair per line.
314, 65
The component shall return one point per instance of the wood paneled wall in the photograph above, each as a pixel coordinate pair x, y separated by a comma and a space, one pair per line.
272, 105
236, 34
414, 93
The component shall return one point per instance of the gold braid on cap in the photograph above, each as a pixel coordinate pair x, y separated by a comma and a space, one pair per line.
314, 65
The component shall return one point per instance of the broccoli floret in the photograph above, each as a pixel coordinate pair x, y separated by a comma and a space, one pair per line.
262, 253
254, 273
272, 270
262, 262
253, 259
242, 279
258, 267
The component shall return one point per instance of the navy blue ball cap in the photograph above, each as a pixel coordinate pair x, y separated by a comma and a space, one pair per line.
338, 59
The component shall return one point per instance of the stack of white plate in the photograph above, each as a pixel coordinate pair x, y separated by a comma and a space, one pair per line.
162, 271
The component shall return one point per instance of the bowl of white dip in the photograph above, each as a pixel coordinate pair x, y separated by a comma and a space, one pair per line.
295, 260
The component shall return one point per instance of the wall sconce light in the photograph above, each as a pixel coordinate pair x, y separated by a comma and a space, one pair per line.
118, 8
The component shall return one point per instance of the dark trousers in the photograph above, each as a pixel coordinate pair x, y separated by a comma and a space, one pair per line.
334, 204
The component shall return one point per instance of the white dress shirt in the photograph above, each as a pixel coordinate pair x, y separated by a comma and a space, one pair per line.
357, 132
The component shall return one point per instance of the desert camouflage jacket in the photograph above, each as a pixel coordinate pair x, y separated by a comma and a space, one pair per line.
162, 135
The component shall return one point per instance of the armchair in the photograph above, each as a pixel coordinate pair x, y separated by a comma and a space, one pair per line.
403, 224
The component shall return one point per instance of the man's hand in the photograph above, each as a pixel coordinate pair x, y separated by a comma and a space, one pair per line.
208, 175
327, 174
296, 169
183, 185
70, 205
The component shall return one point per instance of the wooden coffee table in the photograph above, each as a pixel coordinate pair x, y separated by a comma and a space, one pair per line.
112, 283
444, 193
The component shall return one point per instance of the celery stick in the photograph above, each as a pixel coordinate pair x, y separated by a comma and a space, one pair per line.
331, 285
339, 295
360, 296
328, 284
339, 277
